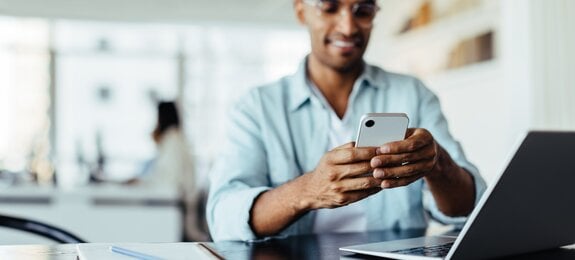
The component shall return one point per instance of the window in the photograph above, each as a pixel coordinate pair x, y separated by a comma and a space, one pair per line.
107, 79
223, 64
25, 98
108, 76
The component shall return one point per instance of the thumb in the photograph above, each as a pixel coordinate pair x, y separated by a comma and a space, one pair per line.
345, 146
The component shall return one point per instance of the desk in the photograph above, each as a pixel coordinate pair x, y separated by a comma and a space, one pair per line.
307, 246
296, 247
327, 247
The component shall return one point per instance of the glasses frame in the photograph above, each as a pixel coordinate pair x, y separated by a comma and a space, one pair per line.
318, 5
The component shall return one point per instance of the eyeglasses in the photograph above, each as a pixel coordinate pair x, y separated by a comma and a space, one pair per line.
363, 12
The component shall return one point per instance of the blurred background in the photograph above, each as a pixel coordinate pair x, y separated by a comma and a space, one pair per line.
80, 82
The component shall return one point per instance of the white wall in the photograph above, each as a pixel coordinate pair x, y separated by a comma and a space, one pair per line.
553, 63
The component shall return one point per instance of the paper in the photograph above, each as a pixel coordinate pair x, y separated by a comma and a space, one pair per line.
176, 251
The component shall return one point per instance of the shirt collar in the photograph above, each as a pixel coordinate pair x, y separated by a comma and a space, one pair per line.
301, 92
373, 77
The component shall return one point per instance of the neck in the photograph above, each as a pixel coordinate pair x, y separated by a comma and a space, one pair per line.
335, 85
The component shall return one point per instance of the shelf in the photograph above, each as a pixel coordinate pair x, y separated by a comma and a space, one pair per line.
447, 31
466, 76
426, 51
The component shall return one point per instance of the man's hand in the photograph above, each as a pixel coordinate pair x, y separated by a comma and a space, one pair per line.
403, 162
340, 178
419, 156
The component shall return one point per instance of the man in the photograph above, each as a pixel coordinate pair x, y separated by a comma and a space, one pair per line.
278, 175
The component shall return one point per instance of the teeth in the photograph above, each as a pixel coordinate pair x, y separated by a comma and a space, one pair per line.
343, 44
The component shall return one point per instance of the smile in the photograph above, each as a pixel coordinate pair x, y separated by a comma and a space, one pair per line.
343, 44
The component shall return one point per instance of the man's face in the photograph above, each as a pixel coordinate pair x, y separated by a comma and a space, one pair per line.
339, 30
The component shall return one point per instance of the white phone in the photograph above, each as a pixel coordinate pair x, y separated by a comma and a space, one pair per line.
376, 129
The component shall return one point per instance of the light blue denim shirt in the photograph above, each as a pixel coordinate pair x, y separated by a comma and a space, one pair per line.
279, 131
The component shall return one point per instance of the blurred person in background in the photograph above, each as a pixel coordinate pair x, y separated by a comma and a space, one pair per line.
173, 167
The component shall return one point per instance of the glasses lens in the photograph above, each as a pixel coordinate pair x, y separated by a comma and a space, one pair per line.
364, 11
328, 6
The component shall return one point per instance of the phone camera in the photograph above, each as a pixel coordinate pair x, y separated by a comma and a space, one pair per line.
369, 123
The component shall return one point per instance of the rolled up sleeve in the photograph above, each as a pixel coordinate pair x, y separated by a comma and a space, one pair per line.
239, 175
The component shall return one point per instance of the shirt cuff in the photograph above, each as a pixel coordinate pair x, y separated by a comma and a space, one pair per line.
232, 215
458, 222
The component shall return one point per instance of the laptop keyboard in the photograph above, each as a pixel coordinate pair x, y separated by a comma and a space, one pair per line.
436, 251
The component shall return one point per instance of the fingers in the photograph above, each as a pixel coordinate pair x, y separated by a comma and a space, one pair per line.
417, 138
355, 184
346, 155
346, 198
403, 171
346, 161
425, 153
400, 182
351, 170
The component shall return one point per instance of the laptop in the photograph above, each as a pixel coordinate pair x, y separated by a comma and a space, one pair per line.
531, 207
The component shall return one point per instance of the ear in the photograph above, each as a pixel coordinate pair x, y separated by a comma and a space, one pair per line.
299, 11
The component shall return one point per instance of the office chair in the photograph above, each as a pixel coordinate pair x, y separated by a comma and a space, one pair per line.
42, 229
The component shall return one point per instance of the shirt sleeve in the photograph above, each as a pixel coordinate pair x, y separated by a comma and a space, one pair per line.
432, 119
238, 175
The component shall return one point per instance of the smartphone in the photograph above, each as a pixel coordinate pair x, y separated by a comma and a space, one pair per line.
376, 129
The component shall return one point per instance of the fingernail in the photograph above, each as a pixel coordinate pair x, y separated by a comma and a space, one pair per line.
382, 150
375, 162
385, 184
378, 173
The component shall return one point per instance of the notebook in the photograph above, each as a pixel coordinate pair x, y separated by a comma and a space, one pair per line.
147, 251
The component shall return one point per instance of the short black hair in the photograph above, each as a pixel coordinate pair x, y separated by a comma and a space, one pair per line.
167, 116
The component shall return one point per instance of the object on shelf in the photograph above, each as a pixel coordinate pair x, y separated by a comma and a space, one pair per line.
474, 50
430, 11
422, 17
